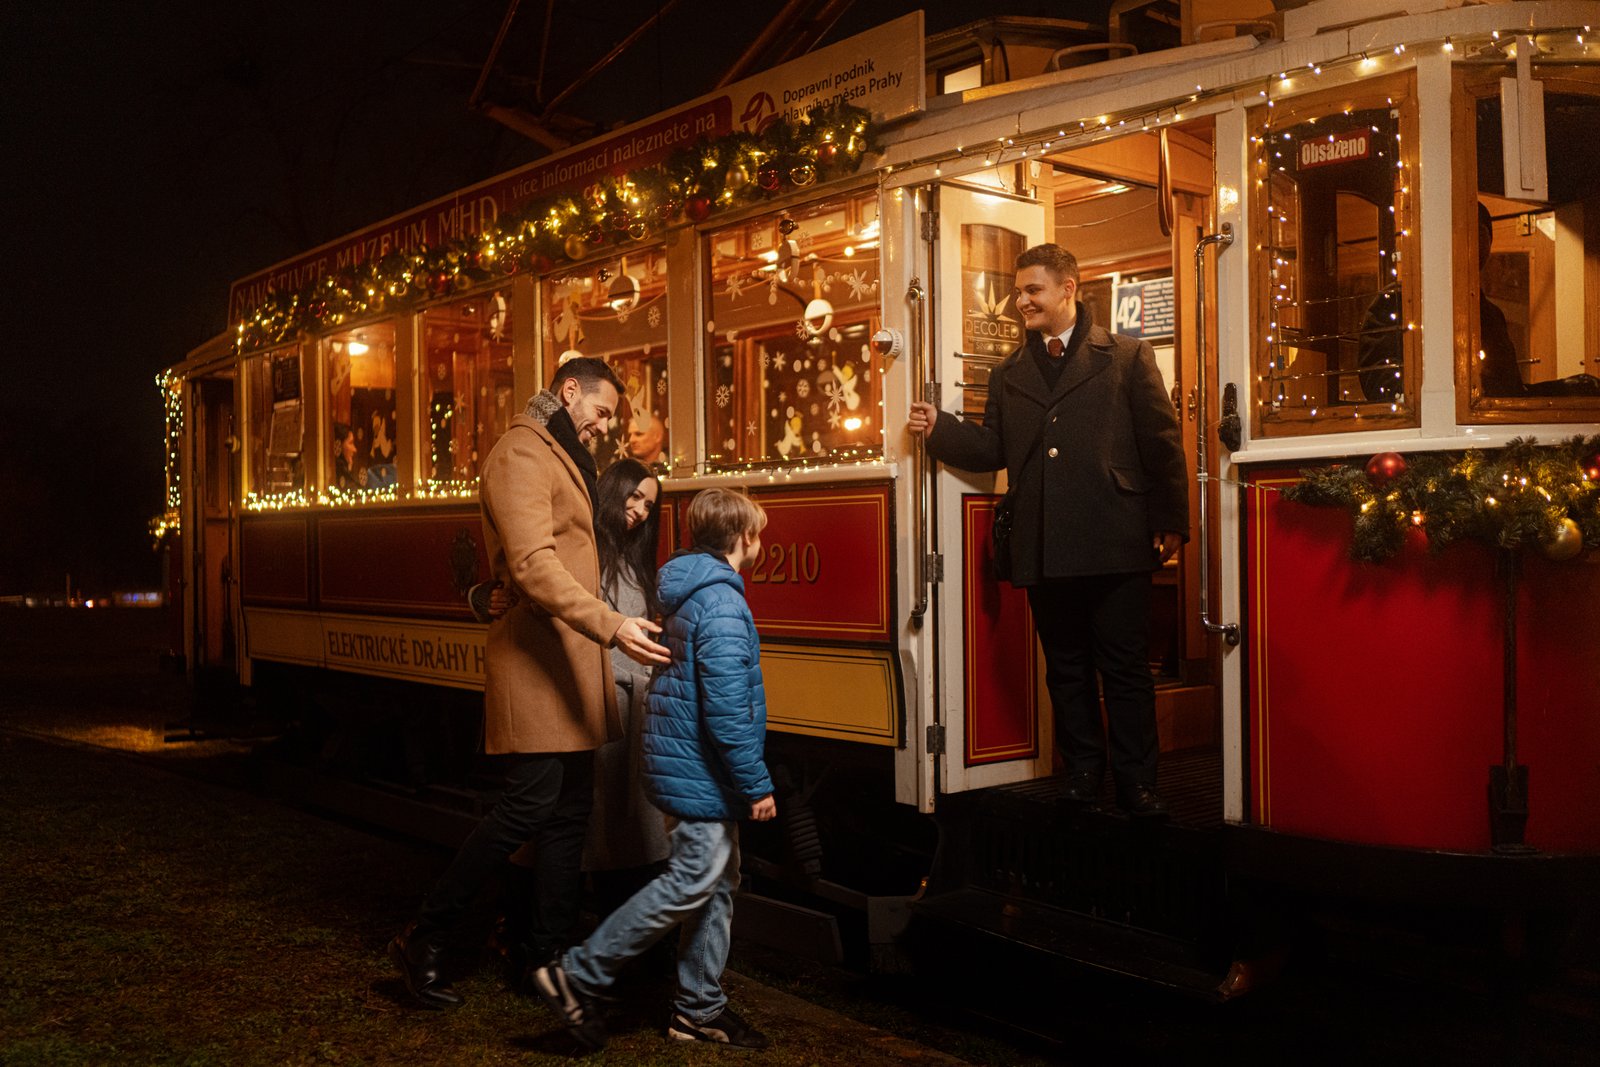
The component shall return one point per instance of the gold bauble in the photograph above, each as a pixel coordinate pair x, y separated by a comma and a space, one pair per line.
1565, 543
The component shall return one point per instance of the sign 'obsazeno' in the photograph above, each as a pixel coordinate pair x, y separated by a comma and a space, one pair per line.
1335, 148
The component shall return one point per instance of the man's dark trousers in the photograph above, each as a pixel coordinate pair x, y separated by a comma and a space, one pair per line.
1100, 622
546, 803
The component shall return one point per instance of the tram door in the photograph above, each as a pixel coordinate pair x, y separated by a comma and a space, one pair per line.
991, 682
215, 480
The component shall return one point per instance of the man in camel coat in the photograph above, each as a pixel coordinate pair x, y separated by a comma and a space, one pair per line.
549, 701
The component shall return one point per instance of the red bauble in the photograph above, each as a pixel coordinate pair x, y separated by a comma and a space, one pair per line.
510, 262
668, 209
1385, 466
769, 177
1591, 467
697, 207
595, 236
439, 283
827, 152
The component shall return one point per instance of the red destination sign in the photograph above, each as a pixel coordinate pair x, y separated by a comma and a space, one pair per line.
472, 210
1335, 148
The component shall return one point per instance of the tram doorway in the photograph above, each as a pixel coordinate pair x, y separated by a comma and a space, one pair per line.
215, 477
1132, 211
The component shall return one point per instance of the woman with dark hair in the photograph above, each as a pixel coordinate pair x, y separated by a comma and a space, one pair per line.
627, 836
627, 842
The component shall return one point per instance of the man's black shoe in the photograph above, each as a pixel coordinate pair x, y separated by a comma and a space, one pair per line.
418, 961
1081, 787
1142, 802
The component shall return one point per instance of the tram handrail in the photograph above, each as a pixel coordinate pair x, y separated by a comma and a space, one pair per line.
919, 455
1229, 630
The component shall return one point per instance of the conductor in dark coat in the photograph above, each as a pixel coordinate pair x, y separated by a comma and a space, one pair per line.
1100, 504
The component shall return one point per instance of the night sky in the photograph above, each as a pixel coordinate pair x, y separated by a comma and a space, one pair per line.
155, 153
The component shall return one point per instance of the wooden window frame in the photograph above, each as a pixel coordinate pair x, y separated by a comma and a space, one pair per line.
1398, 91
1469, 84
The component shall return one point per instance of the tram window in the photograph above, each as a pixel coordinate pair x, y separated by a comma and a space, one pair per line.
616, 310
277, 430
1336, 287
1527, 286
362, 432
792, 299
467, 388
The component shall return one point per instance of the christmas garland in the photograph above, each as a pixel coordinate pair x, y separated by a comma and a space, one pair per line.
1522, 495
715, 174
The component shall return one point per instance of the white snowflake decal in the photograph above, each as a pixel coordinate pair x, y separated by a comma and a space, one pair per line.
779, 360
802, 389
750, 428
661, 385
859, 286
654, 316
766, 358
622, 314
835, 401
734, 287
724, 394
800, 330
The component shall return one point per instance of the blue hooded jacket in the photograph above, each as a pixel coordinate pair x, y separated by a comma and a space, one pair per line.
706, 720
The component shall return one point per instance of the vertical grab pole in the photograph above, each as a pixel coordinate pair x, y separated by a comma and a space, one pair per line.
1230, 631
919, 458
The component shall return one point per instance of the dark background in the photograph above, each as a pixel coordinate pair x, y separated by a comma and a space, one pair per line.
153, 153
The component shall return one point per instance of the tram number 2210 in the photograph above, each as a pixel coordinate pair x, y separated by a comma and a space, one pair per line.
788, 563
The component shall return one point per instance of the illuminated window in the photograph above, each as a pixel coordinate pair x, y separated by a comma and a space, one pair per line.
616, 310
467, 395
1336, 288
792, 299
1527, 289
362, 432
277, 429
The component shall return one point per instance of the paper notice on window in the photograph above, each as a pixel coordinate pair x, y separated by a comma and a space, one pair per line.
286, 432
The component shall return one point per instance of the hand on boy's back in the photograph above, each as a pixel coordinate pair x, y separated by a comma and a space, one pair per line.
499, 601
633, 638
764, 809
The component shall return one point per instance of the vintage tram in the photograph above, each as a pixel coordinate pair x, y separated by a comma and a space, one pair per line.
1284, 204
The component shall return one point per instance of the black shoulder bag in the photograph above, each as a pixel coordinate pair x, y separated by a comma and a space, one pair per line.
1005, 512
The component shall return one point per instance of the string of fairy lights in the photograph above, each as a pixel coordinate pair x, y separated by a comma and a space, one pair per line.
740, 169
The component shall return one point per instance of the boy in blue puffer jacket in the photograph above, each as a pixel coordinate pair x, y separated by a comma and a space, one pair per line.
704, 733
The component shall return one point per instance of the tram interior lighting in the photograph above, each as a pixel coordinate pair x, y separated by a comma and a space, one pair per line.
356, 348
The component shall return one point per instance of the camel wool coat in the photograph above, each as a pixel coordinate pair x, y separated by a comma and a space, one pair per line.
548, 685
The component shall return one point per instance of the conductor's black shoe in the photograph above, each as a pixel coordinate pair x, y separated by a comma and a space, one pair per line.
1142, 802
1081, 787
726, 1029
418, 961
578, 1011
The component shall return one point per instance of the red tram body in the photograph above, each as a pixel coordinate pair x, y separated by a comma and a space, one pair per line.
776, 341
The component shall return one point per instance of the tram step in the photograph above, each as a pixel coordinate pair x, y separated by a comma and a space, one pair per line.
1067, 937
1167, 879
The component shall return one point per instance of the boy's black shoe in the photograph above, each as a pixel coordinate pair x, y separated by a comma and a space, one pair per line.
727, 1029
579, 1012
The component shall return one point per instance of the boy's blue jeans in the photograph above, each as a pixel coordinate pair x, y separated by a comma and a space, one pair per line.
696, 890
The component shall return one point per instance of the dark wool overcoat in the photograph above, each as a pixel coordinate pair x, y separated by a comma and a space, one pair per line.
1108, 473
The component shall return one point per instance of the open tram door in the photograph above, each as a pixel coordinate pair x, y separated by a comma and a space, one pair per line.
990, 680
1133, 211
210, 499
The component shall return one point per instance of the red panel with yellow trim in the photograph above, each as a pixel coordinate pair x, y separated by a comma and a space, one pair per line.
999, 648
1375, 690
